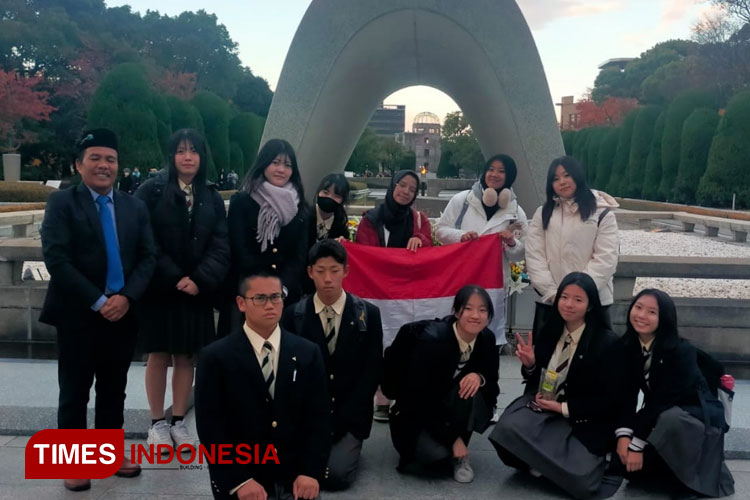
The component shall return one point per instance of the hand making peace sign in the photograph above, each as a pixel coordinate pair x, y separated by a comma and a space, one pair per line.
525, 350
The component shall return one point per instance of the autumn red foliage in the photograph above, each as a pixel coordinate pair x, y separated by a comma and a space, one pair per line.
609, 113
180, 85
19, 100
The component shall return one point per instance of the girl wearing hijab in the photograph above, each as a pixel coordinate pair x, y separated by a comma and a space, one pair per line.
395, 223
666, 437
268, 225
489, 207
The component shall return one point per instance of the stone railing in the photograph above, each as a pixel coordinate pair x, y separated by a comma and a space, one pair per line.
721, 326
738, 228
23, 223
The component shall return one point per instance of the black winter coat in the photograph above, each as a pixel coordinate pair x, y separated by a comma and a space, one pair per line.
285, 257
593, 386
196, 246
674, 378
429, 380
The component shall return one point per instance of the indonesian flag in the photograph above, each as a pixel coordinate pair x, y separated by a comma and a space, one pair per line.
409, 286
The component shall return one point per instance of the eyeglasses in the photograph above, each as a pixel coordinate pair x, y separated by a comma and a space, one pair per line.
261, 300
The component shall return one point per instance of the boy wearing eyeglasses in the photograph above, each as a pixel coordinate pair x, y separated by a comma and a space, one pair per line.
349, 334
262, 385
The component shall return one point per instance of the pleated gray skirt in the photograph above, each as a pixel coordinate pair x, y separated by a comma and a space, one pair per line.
696, 457
545, 442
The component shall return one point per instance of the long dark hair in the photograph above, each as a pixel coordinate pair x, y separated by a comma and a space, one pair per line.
595, 316
666, 333
510, 170
340, 186
465, 293
269, 151
193, 137
583, 195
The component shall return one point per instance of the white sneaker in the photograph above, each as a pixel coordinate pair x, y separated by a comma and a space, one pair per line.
159, 433
462, 471
181, 434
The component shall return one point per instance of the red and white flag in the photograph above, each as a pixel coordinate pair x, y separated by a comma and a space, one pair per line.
409, 286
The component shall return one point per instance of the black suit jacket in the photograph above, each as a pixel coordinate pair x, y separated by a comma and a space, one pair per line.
285, 257
674, 378
232, 407
75, 253
354, 370
430, 379
195, 246
593, 385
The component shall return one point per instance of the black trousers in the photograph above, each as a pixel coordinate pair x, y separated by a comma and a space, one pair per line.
99, 350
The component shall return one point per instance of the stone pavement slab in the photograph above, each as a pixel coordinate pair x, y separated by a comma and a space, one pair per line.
378, 479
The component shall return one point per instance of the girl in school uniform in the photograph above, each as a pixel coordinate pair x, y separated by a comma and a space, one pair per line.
664, 437
563, 428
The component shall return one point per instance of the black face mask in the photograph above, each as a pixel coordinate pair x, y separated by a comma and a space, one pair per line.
328, 205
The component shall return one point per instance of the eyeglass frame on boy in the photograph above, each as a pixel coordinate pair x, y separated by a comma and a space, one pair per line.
275, 298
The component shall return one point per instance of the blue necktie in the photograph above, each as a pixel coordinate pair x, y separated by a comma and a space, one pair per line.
115, 278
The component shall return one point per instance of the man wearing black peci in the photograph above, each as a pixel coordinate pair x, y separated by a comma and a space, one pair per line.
350, 336
99, 251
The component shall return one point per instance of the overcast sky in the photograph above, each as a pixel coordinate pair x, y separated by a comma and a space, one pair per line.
573, 37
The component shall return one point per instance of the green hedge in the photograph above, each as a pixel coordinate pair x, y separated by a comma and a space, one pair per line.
677, 112
617, 180
24, 192
727, 171
640, 145
605, 157
652, 176
697, 134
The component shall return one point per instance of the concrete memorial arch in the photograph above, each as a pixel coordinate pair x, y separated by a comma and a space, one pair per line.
348, 55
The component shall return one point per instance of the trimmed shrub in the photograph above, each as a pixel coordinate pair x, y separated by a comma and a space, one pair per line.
184, 115
727, 171
246, 129
596, 137
617, 180
697, 134
605, 157
678, 110
568, 136
123, 103
652, 176
215, 114
640, 145
24, 192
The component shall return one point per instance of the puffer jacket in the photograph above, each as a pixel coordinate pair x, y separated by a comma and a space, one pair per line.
475, 219
571, 244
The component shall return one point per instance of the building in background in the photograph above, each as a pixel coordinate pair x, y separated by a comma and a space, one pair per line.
617, 63
388, 119
568, 113
423, 140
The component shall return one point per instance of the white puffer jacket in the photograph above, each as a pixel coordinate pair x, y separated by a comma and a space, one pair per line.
475, 219
571, 244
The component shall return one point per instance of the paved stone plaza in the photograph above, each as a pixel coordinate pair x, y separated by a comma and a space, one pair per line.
23, 396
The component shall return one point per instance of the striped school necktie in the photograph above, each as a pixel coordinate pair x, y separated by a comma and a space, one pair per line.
330, 328
562, 365
189, 197
266, 367
465, 356
646, 365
